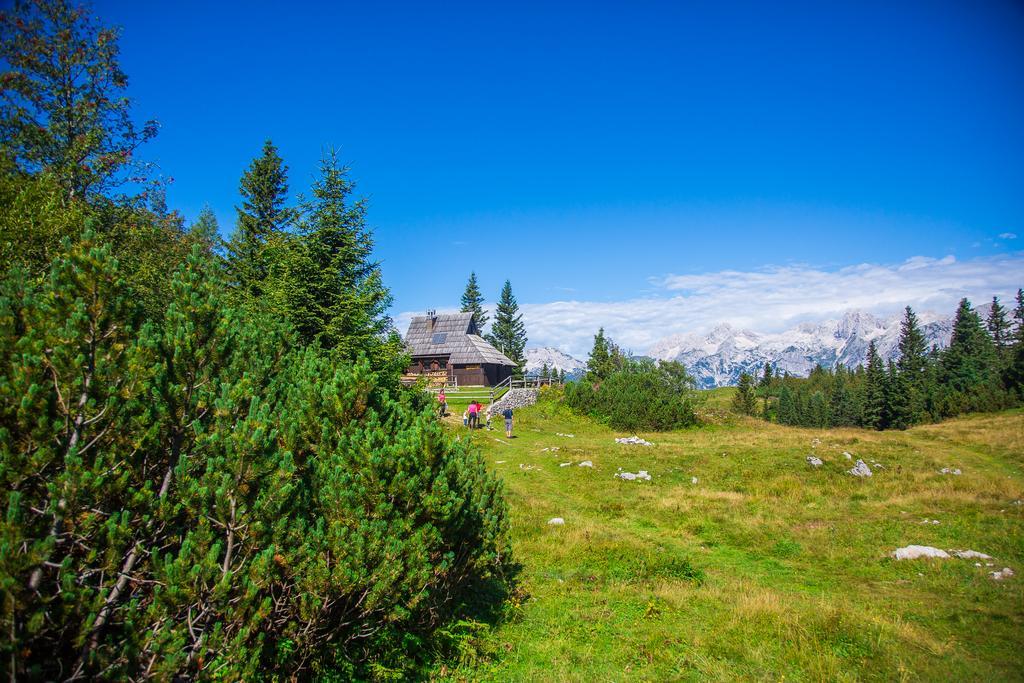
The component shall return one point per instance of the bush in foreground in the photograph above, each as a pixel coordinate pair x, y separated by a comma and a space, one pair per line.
203, 498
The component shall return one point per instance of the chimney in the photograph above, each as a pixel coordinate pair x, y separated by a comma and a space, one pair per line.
432, 315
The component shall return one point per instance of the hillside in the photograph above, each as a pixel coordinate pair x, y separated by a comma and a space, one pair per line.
738, 560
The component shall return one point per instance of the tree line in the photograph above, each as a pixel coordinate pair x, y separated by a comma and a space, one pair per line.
982, 369
208, 467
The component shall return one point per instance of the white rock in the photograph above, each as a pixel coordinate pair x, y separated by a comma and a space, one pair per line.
568, 436
929, 521
564, 464
860, 469
556, 521
1005, 573
913, 552
971, 555
498, 462
693, 480
847, 455
947, 470
633, 441
629, 476
586, 463
813, 461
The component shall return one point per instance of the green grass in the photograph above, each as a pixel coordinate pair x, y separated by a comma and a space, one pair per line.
763, 569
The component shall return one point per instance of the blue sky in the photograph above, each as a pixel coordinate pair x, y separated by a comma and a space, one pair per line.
593, 152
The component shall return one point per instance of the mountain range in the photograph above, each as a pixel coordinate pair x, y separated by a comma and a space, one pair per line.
718, 357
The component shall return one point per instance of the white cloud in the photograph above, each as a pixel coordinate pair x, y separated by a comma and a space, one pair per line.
1007, 236
770, 299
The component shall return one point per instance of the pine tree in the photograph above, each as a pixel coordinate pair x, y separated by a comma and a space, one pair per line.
744, 401
561, 376
842, 411
913, 364
206, 231
63, 107
999, 329
874, 412
1013, 375
598, 361
262, 218
785, 412
508, 333
898, 399
766, 377
968, 363
545, 373
332, 289
473, 302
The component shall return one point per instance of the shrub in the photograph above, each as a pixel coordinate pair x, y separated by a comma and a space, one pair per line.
203, 498
641, 396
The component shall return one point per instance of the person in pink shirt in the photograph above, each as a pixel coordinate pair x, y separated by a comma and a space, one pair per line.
474, 414
442, 401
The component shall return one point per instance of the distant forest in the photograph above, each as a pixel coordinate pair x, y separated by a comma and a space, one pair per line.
981, 369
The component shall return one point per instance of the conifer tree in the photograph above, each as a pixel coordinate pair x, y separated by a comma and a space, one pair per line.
969, 362
597, 362
744, 401
766, 377
999, 329
63, 107
206, 231
913, 364
1013, 375
561, 376
473, 302
898, 401
508, 333
874, 412
545, 373
785, 411
333, 291
262, 218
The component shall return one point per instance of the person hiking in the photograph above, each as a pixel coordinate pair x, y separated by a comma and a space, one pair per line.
465, 418
442, 401
474, 417
508, 422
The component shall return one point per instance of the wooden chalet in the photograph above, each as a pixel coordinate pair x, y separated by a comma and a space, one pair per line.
448, 349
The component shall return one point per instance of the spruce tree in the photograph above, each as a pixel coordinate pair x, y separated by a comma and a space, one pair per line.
262, 218
744, 401
545, 373
968, 364
598, 361
1013, 375
206, 231
473, 302
913, 364
999, 329
874, 412
332, 289
766, 377
898, 399
785, 412
508, 333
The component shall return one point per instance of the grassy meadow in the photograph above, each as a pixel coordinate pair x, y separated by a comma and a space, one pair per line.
765, 568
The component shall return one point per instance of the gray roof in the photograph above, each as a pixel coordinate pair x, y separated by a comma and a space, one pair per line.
453, 335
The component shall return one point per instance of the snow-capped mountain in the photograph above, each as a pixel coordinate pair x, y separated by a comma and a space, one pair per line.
537, 357
720, 356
